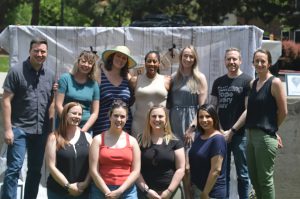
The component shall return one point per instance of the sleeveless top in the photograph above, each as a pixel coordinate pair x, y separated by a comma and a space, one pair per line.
109, 93
262, 108
115, 163
73, 162
148, 92
183, 107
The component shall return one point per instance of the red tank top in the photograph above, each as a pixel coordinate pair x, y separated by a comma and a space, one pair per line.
115, 163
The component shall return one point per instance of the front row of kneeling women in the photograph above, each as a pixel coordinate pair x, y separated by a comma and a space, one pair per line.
117, 162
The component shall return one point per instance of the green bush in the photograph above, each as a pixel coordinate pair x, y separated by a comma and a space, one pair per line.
4, 63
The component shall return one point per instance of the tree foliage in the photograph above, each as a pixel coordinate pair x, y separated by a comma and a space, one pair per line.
123, 12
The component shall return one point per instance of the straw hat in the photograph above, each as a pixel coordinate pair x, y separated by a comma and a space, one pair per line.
121, 49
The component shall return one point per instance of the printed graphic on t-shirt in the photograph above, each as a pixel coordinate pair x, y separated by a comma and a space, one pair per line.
226, 94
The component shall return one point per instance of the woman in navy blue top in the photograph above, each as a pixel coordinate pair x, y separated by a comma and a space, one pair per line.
207, 156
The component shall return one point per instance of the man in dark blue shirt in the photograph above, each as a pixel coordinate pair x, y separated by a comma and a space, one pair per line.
27, 109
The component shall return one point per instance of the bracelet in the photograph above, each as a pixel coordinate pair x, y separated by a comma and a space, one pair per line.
67, 186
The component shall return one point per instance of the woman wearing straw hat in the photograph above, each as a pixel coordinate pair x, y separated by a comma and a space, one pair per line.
114, 85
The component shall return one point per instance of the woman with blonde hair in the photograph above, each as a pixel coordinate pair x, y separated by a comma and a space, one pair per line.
80, 86
188, 92
162, 157
67, 153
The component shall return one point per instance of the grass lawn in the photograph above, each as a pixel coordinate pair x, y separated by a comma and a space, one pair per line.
4, 63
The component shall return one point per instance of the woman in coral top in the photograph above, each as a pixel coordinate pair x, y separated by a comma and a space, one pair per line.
115, 158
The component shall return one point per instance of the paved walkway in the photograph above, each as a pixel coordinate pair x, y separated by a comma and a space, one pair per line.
2, 78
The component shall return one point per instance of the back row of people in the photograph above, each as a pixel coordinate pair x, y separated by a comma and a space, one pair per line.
187, 90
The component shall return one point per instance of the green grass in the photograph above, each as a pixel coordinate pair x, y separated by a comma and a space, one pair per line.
4, 63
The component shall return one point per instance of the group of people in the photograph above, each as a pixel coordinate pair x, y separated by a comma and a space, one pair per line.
145, 136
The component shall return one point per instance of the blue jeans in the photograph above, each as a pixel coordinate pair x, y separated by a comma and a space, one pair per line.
130, 193
54, 195
35, 145
238, 147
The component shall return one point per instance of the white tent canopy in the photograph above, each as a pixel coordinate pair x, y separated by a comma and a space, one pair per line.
66, 43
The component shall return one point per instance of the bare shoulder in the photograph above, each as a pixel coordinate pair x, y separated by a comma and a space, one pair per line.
88, 137
133, 79
132, 140
202, 76
276, 81
97, 139
52, 137
251, 83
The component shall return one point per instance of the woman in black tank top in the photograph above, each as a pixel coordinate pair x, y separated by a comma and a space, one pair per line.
67, 157
266, 110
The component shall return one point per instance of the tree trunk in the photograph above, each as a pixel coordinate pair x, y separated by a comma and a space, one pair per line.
35, 12
3, 11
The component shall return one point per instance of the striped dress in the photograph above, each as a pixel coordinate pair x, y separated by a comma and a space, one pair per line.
109, 93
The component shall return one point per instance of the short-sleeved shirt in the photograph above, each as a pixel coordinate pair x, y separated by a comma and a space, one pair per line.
231, 94
32, 97
84, 94
200, 155
158, 164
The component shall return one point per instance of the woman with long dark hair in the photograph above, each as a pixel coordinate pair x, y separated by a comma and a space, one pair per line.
114, 85
207, 156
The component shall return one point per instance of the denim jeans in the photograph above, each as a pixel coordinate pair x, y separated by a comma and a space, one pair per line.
261, 154
35, 145
54, 195
130, 193
238, 148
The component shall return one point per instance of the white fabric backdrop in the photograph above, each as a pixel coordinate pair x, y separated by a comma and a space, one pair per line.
66, 43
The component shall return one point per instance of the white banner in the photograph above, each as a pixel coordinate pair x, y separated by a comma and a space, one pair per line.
66, 43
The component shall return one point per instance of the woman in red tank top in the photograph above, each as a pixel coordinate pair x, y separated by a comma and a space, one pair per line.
115, 158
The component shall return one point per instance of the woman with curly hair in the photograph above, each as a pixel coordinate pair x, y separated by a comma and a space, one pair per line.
80, 86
